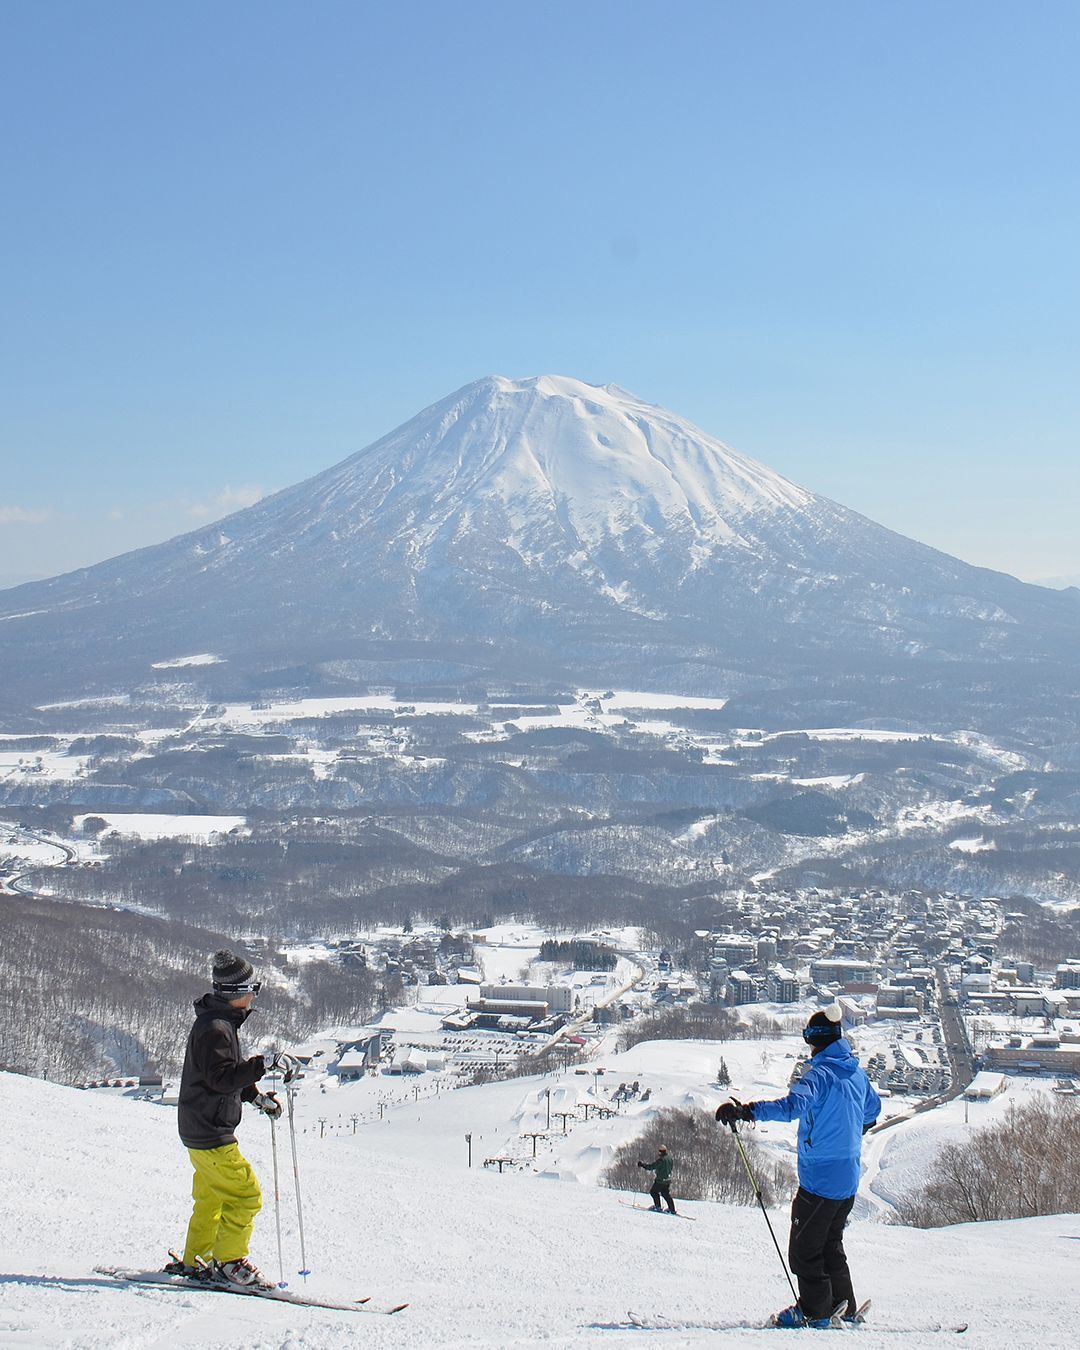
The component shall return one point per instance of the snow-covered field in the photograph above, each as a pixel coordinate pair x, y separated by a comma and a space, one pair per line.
517, 1260
507, 949
245, 715
24, 850
154, 825
200, 659
43, 764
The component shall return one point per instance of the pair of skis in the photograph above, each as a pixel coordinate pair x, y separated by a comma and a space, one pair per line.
651, 1209
642, 1322
163, 1279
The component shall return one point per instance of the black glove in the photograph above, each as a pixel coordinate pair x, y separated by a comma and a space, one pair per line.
869, 1125
286, 1065
641, 1165
268, 1104
727, 1113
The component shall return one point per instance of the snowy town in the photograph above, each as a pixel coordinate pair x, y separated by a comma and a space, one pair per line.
933, 1009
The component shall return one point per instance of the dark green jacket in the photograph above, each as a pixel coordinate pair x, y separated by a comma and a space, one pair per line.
662, 1167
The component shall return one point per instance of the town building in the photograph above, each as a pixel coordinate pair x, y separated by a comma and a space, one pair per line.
840, 970
741, 988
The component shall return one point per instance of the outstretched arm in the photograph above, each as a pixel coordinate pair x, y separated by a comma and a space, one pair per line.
798, 1101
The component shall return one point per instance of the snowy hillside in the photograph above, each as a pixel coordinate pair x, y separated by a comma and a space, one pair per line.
484, 1260
534, 529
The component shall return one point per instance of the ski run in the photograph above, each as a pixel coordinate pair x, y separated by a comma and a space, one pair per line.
393, 1214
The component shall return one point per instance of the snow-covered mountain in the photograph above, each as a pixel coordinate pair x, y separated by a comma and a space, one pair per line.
1060, 583
540, 528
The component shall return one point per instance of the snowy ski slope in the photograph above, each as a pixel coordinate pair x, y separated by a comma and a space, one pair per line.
484, 1260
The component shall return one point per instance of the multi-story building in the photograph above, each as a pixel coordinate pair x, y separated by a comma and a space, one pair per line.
557, 997
900, 996
741, 988
841, 970
735, 949
781, 985
1067, 975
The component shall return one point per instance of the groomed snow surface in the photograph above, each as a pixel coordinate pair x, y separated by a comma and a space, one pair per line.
484, 1260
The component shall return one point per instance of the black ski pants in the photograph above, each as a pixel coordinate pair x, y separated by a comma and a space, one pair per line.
662, 1189
816, 1253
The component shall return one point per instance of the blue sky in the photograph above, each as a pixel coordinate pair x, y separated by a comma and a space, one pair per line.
241, 241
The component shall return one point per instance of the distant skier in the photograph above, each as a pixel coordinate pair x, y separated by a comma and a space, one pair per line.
214, 1082
661, 1187
836, 1104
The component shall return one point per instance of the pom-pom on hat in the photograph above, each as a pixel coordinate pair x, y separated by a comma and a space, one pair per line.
230, 971
825, 1026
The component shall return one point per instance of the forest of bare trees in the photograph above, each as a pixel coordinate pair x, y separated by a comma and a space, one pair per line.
707, 1162
700, 1022
1017, 1168
87, 992
1038, 934
322, 887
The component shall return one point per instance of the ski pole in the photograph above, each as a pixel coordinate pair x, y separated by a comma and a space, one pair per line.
761, 1202
282, 1282
290, 1093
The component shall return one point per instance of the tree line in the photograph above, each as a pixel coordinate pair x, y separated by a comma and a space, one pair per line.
323, 888
707, 1162
700, 1022
579, 953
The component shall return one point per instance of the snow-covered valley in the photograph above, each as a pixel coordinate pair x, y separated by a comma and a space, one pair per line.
588, 783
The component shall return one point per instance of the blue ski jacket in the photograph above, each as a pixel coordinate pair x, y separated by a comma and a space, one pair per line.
834, 1101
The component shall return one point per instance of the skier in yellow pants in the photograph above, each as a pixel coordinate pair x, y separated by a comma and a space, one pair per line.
214, 1083
227, 1198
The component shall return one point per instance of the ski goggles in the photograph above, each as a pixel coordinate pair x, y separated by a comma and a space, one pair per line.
823, 1035
236, 990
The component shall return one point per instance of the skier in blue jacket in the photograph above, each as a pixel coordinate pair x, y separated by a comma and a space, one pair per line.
835, 1104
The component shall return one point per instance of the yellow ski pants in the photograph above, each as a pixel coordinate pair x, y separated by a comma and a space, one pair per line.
227, 1198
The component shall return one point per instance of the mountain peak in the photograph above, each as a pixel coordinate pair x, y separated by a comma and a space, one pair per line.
549, 386
599, 458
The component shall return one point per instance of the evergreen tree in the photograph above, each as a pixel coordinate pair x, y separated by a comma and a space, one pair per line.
723, 1077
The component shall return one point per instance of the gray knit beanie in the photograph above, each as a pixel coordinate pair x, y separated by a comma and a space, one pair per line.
230, 971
